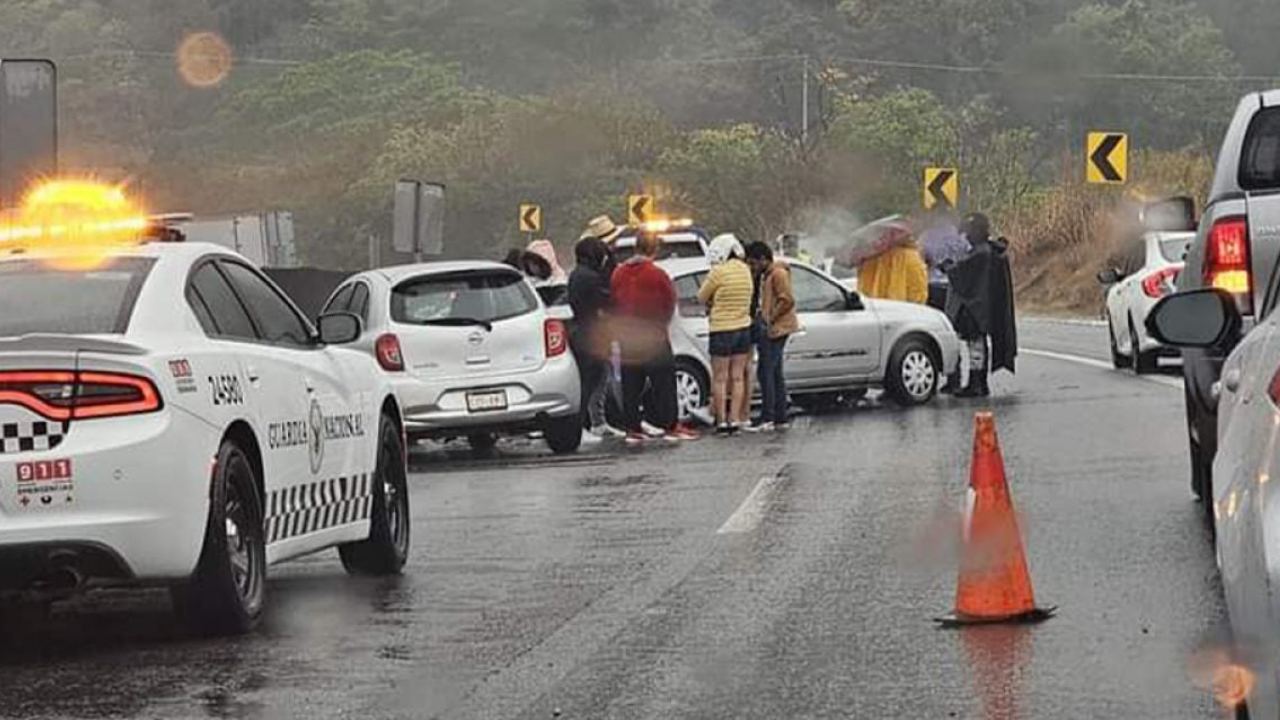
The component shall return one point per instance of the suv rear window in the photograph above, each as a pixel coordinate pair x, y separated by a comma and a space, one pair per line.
483, 296
674, 245
71, 302
1260, 159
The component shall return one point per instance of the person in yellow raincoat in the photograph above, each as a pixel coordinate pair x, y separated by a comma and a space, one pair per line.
898, 273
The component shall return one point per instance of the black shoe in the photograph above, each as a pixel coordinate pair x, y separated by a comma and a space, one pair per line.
724, 430
969, 391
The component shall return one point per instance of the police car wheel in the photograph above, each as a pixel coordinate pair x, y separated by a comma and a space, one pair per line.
227, 592
387, 548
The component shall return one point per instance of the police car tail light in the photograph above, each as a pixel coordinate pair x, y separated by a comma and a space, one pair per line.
1159, 283
387, 350
65, 395
1226, 263
556, 337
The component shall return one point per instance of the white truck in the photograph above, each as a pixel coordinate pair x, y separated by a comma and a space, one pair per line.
266, 238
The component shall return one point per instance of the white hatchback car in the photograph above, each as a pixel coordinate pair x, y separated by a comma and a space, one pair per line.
847, 344
470, 349
1146, 271
168, 417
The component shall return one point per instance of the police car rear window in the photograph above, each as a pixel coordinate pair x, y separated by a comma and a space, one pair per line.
97, 301
1260, 158
483, 296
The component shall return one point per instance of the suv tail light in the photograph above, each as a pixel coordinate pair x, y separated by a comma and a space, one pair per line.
387, 349
1160, 283
64, 395
556, 336
1226, 264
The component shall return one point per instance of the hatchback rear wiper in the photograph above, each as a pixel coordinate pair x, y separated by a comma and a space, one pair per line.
460, 322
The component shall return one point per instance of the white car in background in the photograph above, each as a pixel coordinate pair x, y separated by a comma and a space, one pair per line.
168, 417
470, 349
847, 344
680, 239
1146, 270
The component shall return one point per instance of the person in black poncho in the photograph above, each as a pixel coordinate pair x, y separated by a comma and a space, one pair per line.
980, 305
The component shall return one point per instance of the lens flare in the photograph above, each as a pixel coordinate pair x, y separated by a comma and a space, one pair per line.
75, 222
1232, 684
204, 60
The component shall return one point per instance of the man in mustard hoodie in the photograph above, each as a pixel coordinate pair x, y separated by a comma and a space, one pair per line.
779, 321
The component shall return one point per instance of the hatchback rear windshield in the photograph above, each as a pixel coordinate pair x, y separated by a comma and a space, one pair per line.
479, 296
1260, 159
36, 297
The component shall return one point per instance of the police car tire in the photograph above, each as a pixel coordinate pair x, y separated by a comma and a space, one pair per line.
387, 548
564, 434
210, 602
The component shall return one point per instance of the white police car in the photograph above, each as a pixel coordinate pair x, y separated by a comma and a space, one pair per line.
168, 417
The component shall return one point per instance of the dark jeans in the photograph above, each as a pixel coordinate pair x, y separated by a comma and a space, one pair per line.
594, 373
658, 375
773, 385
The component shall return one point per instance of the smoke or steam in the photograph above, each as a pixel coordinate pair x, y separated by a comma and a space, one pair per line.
826, 228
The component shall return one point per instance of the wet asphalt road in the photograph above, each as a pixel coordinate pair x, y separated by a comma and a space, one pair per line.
784, 576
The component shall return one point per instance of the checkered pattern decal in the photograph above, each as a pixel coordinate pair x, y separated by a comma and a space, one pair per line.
303, 509
28, 436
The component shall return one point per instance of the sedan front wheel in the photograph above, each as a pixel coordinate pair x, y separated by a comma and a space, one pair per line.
913, 373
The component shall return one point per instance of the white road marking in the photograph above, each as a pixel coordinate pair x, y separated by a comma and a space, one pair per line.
1101, 365
750, 513
1082, 322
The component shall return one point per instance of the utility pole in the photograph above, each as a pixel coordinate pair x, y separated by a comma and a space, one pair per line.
804, 102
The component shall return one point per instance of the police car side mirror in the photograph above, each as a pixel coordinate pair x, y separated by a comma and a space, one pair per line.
1198, 318
853, 301
1110, 276
339, 328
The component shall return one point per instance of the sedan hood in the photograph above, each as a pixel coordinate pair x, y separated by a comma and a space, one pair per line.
905, 311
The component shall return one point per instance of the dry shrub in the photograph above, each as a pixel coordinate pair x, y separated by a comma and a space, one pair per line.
1063, 235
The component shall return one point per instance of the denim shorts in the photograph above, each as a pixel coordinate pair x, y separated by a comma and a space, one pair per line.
733, 342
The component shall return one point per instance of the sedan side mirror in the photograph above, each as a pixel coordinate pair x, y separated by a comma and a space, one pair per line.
1197, 318
853, 301
339, 328
1110, 276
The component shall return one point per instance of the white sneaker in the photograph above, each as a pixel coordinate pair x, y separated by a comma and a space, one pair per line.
591, 438
758, 428
608, 432
652, 430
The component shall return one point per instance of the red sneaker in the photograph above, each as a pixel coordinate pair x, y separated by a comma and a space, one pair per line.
684, 432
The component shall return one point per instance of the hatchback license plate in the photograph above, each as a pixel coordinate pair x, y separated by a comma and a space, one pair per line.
487, 401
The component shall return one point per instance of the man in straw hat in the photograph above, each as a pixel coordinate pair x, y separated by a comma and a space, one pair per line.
602, 228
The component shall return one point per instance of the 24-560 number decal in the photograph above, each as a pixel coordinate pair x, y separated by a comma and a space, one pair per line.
225, 390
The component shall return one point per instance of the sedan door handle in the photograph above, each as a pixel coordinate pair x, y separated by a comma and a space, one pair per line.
306, 381
252, 373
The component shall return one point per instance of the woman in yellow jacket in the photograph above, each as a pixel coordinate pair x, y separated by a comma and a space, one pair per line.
899, 273
727, 294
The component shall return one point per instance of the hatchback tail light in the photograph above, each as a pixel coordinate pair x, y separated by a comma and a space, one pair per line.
65, 395
1159, 283
387, 350
1226, 264
556, 336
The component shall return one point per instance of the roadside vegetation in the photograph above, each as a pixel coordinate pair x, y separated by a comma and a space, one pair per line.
573, 104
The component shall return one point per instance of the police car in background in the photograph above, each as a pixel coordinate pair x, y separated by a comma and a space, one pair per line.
168, 417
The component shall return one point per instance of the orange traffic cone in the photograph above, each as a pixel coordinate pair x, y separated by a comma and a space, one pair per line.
994, 584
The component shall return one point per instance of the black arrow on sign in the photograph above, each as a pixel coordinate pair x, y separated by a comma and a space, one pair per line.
1101, 158
936, 187
530, 217
639, 210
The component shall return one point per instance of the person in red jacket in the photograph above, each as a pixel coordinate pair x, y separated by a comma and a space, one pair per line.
644, 301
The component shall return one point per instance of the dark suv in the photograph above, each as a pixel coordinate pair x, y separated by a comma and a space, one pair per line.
1236, 249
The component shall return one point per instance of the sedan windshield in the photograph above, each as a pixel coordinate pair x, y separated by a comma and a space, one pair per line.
70, 302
